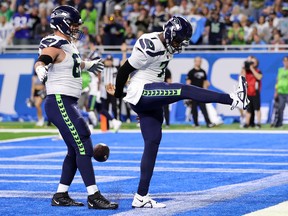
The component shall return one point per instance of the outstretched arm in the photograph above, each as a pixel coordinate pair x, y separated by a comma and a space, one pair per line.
121, 79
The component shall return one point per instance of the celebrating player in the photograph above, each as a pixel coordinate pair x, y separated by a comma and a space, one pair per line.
60, 65
147, 93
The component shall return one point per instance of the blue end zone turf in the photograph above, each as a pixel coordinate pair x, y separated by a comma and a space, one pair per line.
195, 174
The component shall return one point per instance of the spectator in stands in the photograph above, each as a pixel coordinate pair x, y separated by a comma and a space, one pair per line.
47, 6
34, 20
113, 32
130, 37
246, 8
236, 34
118, 14
83, 43
236, 13
185, 7
215, 29
258, 41
281, 92
257, 6
21, 26
277, 40
283, 22
89, 16
262, 27
159, 18
133, 15
6, 32
253, 76
246, 24
78, 4
143, 20
7, 10
42, 29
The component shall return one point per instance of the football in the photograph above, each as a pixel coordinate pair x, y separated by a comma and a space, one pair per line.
101, 152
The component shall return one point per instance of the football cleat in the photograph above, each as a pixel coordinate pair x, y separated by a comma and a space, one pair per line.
239, 96
116, 124
146, 202
63, 199
98, 201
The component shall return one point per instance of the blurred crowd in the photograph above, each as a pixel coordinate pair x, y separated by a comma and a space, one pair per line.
112, 22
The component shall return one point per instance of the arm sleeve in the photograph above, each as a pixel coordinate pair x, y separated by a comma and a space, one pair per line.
122, 77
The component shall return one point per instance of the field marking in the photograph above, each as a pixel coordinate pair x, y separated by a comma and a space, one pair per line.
157, 169
97, 131
280, 209
162, 162
4, 147
77, 179
200, 199
176, 202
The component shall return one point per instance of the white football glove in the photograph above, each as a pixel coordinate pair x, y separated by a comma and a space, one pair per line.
95, 66
41, 72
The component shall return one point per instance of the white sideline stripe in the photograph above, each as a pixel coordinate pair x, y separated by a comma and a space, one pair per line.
140, 148
162, 162
62, 153
246, 131
157, 169
76, 180
280, 209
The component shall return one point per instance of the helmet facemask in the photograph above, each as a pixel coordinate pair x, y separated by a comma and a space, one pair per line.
67, 20
177, 34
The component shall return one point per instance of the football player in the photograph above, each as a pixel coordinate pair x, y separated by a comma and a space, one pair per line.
59, 65
147, 93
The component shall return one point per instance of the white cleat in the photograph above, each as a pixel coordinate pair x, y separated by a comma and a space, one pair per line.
239, 96
40, 122
146, 202
116, 124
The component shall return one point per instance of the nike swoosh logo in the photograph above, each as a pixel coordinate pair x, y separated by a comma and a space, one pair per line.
139, 200
56, 202
90, 204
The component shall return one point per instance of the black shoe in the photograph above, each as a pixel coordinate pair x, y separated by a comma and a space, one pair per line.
97, 201
63, 199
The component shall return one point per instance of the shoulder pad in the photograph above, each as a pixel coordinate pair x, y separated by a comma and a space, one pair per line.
51, 41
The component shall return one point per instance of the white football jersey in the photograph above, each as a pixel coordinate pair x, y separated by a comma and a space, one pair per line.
150, 58
64, 77
108, 75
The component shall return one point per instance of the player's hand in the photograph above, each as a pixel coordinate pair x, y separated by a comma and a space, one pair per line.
95, 66
41, 72
110, 89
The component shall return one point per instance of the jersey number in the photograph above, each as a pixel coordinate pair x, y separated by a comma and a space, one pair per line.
163, 66
76, 66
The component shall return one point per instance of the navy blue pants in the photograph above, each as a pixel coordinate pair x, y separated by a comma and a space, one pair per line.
150, 112
63, 112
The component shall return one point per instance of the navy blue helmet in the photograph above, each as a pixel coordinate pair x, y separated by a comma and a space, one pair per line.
177, 33
63, 18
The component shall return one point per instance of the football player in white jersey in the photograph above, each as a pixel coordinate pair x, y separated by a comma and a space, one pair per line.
59, 65
147, 93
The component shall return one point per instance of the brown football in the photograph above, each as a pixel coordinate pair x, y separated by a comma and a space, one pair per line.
101, 152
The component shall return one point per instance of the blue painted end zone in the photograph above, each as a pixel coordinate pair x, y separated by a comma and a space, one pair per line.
195, 174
